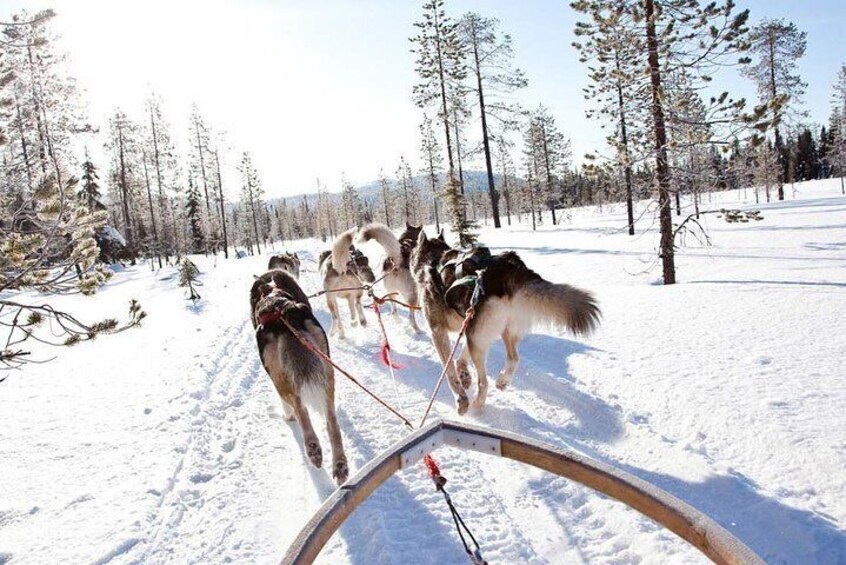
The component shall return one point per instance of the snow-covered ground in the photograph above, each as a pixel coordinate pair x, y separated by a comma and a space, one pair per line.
166, 444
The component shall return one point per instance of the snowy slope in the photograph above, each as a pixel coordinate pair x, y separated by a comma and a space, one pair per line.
166, 444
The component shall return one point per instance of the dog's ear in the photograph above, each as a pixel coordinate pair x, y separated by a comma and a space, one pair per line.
408, 225
255, 276
421, 238
441, 236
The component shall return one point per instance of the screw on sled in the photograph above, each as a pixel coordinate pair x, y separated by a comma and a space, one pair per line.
690, 524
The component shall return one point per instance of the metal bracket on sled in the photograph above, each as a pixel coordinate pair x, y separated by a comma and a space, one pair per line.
455, 438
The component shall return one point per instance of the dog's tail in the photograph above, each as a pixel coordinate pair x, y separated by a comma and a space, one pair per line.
559, 305
385, 237
341, 250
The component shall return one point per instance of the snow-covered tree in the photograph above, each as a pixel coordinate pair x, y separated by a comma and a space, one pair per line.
251, 195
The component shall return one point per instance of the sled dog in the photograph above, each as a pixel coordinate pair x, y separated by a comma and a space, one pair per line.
344, 267
287, 262
302, 379
515, 299
395, 267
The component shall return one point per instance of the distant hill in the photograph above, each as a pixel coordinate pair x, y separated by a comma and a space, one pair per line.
474, 181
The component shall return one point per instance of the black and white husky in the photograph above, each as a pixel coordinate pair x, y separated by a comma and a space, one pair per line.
396, 266
302, 379
344, 268
515, 300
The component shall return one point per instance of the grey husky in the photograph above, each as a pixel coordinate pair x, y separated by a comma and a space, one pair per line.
301, 378
287, 262
515, 300
395, 267
344, 267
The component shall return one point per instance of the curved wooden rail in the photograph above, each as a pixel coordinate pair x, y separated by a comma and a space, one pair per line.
689, 523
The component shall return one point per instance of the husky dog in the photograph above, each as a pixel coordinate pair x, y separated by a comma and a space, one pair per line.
301, 377
395, 267
287, 262
515, 299
344, 267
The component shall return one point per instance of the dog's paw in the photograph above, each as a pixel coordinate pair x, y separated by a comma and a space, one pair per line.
479, 402
465, 378
461, 405
363, 322
340, 471
315, 454
502, 381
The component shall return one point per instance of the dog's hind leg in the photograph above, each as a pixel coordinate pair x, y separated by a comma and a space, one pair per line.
312, 444
288, 412
442, 345
413, 320
340, 467
511, 359
361, 319
479, 354
462, 365
337, 326
353, 310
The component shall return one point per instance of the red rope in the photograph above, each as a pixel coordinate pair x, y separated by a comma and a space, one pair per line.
311, 347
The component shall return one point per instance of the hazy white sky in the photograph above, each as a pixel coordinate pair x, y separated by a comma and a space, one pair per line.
317, 88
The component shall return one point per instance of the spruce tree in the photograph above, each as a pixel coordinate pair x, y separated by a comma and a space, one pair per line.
194, 215
89, 191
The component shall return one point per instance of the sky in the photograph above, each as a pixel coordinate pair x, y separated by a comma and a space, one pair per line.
317, 89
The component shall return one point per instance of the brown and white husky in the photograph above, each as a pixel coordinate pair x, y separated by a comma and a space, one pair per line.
302, 379
344, 268
287, 262
515, 300
395, 267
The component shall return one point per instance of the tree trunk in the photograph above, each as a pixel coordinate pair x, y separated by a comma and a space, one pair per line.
551, 202
661, 165
624, 141
492, 193
222, 209
124, 189
152, 214
162, 200
776, 120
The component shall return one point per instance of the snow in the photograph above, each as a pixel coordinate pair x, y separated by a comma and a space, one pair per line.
110, 233
166, 444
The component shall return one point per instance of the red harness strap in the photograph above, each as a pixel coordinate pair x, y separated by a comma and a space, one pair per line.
269, 317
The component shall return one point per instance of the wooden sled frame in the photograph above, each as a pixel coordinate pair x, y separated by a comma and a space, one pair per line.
684, 520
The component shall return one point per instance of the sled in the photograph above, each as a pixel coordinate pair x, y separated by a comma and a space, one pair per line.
687, 522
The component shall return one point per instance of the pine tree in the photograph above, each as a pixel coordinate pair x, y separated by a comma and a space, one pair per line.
221, 203
550, 154
189, 276
610, 44
682, 35
440, 67
251, 194
387, 196
122, 144
491, 62
159, 147
777, 46
432, 163
837, 128
47, 233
